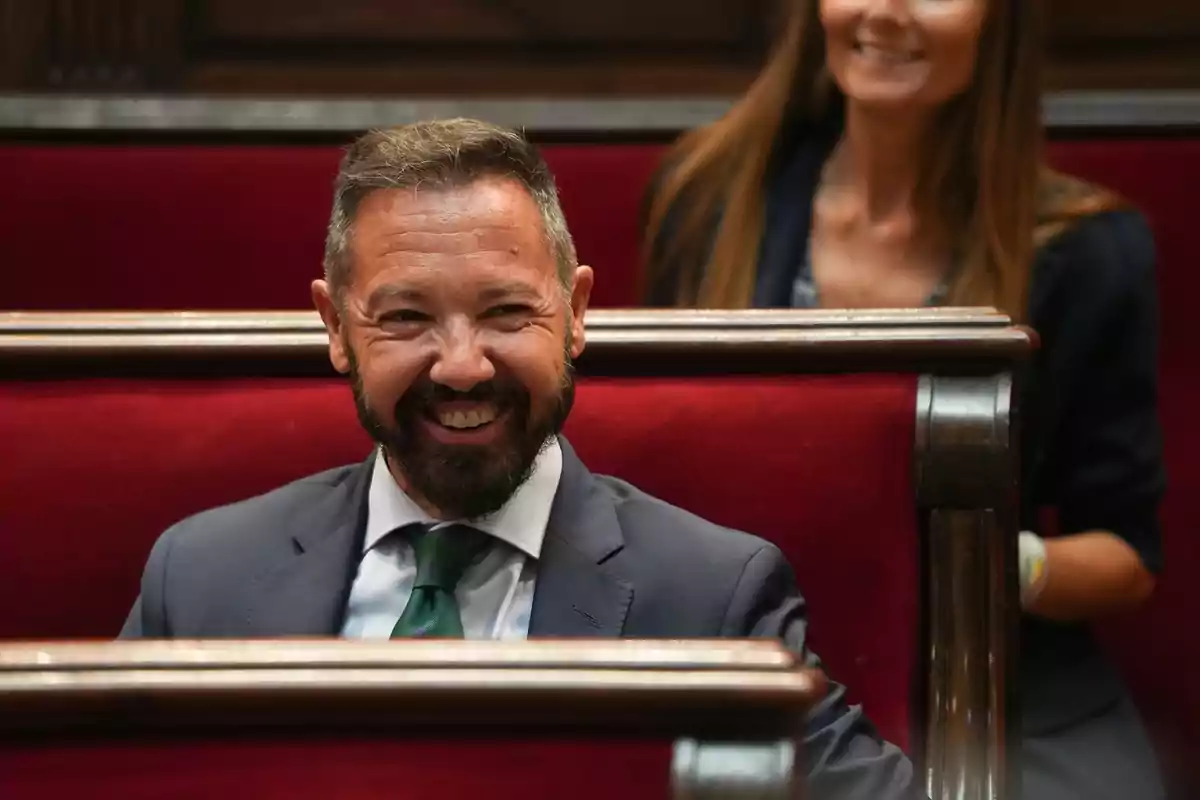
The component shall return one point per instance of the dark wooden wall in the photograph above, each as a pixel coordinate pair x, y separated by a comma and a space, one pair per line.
478, 47
1125, 44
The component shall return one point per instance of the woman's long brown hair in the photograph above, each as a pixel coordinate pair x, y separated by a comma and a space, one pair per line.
985, 186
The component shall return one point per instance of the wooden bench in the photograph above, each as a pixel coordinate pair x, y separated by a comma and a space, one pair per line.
873, 448
305, 719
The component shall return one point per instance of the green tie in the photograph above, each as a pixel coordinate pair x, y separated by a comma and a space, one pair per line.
443, 555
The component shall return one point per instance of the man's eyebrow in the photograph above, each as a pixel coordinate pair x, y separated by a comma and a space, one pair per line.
387, 293
509, 290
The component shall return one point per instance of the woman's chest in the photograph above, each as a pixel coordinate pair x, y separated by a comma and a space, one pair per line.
852, 266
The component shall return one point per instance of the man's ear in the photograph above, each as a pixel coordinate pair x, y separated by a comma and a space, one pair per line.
327, 307
581, 293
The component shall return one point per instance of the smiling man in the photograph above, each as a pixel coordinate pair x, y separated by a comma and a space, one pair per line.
455, 305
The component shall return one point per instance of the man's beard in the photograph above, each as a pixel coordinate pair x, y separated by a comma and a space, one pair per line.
465, 481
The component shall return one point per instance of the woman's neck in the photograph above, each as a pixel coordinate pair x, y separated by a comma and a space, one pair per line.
879, 160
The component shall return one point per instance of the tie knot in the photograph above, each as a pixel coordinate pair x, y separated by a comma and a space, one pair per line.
444, 553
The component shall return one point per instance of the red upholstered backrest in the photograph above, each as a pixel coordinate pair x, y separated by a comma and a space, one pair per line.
240, 226
158, 226
95, 470
1158, 648
349, 766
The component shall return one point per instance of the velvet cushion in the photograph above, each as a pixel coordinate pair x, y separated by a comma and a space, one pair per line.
240, 226
156, 226
353, 767
95, 470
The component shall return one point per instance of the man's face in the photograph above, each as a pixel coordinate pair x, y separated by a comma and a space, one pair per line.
457, 335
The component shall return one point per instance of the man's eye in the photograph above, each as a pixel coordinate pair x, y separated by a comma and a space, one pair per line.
403, 315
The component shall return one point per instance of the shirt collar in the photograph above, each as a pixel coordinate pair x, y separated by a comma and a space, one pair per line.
521, 522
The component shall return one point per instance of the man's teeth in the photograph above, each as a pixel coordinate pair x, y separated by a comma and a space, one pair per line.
467, 419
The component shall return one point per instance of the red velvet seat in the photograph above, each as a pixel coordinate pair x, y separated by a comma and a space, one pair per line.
164, 227
152, 227
357, 767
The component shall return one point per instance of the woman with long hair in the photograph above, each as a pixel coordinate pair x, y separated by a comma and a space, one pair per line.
890, 154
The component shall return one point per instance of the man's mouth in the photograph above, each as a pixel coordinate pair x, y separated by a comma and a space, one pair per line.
465, 423
460, 418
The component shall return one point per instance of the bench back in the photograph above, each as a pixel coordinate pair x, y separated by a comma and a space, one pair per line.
872, 448
152, 224
355, 719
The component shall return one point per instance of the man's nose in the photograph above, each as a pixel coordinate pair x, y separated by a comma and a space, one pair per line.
461, 362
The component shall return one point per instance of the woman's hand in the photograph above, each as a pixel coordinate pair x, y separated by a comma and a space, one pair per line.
1086, 575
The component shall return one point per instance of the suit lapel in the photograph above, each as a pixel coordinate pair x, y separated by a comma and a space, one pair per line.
576, 594
306, 595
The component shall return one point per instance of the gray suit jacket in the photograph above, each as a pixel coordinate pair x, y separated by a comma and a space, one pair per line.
615, 562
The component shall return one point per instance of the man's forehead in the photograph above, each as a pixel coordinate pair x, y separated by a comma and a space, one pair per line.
414, 252
496, 225
493, 198
498, 242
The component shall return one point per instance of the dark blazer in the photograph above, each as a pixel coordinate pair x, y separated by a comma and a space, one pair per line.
1091, 439
615, 562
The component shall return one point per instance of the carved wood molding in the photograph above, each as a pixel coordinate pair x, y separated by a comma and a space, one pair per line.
209, 118
495, 47
664, 341
606, 685
966, 484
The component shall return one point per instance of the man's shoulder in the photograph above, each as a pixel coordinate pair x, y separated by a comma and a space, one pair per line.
692, 577
200, 574
275, 510
650, 522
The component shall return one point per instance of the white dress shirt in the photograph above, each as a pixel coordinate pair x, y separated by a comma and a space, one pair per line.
495, 595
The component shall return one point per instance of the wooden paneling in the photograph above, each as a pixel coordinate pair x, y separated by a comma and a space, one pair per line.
1125, 22
476, 47
699, 22
1119, 44
481, 47
21, 34
447, 77
90, 45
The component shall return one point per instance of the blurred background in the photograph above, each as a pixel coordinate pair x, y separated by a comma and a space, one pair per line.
682, 52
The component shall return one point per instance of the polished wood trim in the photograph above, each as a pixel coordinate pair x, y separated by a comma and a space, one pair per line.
678, 688
721, 654
618, 341
601, 319
966, 487
198, 115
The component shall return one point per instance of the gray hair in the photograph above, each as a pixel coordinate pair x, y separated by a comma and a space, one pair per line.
442, 154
